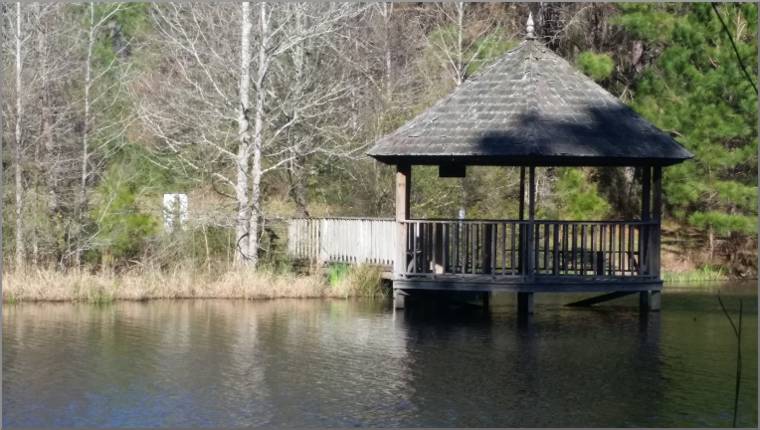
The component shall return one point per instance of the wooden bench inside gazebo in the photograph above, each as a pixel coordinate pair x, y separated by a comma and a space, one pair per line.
529, 109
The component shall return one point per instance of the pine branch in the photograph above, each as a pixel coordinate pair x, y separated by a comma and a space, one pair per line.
733, 45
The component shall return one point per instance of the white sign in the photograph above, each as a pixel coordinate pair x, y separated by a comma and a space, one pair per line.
175, 211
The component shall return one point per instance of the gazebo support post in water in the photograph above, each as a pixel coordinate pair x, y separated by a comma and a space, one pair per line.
529, 109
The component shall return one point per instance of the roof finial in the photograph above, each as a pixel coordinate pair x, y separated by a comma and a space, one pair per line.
530, 25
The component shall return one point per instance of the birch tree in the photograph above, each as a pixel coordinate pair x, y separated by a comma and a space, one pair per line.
17, 140
219, 84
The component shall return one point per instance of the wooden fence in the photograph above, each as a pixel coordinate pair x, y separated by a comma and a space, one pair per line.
348, 240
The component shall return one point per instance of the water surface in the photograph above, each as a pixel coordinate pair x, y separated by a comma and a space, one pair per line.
357, 363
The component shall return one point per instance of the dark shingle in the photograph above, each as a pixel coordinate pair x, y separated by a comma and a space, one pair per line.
530, 107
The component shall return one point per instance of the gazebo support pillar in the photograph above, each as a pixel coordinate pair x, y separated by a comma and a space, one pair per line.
651, 210
524, 299
403, 213
524, 304
656, 214
649, 301
646, 180
530, 248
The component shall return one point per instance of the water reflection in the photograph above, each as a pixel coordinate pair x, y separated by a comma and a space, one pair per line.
343, 363
581, 367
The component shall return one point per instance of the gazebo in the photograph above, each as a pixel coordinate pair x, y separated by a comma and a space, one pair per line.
529, 109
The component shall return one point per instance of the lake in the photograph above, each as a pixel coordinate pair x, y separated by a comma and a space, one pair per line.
327, 363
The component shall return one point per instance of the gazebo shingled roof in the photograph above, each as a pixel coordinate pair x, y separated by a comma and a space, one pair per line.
530, 107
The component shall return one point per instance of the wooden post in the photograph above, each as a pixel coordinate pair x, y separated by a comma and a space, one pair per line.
522, 231
644, 301
486, 300
399, 299
655, 300
645, 216
656, 214
650, 301
531, 218
403, 191
488, 245
524, 303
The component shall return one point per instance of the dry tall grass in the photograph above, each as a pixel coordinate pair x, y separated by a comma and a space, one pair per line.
181, 282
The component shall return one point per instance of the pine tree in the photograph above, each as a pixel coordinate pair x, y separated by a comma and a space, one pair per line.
696, 90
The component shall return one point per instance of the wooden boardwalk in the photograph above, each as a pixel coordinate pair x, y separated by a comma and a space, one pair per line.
487, 254
614, 258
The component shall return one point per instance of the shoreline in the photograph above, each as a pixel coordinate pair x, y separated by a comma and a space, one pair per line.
46, 285
50, 286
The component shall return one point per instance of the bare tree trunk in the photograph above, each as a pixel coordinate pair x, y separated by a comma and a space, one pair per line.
258, 128
82, 203
387, 12
19, 255
296, 168
243, 250
460, 47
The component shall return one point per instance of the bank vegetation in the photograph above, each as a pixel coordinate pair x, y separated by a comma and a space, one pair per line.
262, 111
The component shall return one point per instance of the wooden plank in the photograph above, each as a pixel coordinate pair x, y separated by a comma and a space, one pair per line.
599, 299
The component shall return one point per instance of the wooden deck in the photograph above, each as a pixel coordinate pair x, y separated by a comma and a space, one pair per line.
490, 255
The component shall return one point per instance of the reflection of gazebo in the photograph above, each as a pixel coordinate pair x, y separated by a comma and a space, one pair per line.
530, 108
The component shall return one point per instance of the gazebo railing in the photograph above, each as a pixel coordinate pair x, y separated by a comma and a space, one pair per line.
525, 248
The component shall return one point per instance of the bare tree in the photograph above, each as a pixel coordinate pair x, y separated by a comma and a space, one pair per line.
458, 36
218, 90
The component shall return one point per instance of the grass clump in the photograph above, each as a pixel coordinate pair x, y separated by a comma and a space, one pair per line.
356, 281
337, 273
702, 274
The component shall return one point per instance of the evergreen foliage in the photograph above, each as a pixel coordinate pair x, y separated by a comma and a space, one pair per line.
598, 66
580, 199
696, 90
